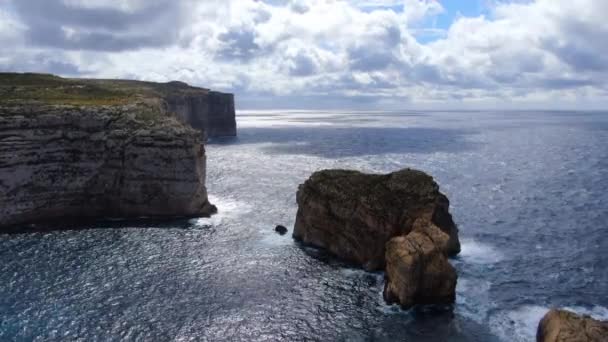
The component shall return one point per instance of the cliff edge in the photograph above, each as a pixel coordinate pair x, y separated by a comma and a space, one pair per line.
82, 150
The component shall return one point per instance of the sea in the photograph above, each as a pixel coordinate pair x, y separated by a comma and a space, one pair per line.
528, 190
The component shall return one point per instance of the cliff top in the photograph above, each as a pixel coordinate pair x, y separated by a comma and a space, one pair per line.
47, 89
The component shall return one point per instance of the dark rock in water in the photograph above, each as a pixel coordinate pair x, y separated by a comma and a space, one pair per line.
282, 230
354, 215
210, 209
417, 270
566, 326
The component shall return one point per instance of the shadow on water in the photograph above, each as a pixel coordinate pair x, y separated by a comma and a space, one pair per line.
335, 142
421, 323
78, 224
423, 326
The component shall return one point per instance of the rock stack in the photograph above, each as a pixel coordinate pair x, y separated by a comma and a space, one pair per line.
566, 326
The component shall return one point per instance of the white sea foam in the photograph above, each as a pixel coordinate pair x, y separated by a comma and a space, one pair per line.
521, 324
518, 325
597, 312
227, 209
274, 239
473, 299
479, 253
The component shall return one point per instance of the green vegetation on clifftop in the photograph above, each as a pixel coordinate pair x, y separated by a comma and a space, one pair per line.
46, 89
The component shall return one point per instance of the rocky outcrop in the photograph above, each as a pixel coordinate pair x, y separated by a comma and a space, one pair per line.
77, 151
354, 215
565, 326
417, 270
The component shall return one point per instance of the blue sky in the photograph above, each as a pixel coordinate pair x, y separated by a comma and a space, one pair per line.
360, 54
454, 9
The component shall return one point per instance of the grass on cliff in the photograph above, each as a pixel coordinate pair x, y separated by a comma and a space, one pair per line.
53, 90
48, 89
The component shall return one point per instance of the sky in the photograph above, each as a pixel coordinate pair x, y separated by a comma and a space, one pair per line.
330, 54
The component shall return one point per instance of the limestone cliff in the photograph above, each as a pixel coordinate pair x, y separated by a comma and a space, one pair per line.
209, 111
76, 150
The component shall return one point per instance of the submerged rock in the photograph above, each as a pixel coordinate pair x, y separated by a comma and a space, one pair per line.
417, 270
354, 215
282, 230
566, 326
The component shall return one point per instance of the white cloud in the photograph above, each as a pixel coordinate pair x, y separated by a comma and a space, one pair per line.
521, 53
11, 29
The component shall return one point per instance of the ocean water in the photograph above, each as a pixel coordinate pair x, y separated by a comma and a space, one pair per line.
529, 191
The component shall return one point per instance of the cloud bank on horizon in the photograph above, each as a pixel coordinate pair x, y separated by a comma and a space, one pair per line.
327, 53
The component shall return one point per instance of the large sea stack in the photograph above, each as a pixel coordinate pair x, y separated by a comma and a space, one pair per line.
399, 222
566, 326
87, 149
354, 215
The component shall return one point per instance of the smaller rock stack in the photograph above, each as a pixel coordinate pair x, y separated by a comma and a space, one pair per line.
566, 326
399, 222
417, 271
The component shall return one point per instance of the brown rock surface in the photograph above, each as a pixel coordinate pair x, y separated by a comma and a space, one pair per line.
566, 326
59, 162
417, 270
354, 215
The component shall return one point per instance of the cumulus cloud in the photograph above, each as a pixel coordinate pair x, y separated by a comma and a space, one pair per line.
100, 25
357, 52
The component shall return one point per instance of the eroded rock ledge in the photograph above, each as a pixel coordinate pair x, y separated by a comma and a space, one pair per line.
399, 222
566, 326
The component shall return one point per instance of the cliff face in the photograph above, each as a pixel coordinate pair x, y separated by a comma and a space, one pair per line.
209, 111
63, 162
68, 150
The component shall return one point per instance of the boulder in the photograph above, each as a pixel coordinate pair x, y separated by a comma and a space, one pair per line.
354, 215
566, 326
417, 270
282, 230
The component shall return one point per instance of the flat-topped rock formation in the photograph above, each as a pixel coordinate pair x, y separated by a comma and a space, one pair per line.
399, 222
83, 151
354, 215
566, 326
